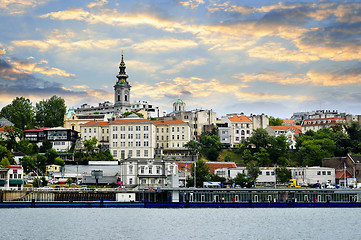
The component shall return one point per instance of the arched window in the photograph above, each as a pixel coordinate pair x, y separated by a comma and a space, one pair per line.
126, 98
118, 98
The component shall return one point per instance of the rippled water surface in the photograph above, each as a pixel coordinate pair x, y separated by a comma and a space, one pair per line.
94, 223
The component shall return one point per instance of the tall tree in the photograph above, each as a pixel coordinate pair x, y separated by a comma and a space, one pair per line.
253, 171
20, 112
202, 173
193, 147
275, 121
50, 112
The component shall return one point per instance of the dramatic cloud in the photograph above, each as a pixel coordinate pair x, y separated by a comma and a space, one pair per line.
28, 67
335, 78
163, 45
18, 6
191, 3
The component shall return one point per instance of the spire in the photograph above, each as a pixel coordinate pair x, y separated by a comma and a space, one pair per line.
122, 76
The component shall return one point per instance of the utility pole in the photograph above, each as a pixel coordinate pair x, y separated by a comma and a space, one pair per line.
195, 173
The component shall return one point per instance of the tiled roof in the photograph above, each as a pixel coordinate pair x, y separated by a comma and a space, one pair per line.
103, 123
14, 166
186, 166
241, 118
295, 128
340, 174
322, 121
36, 130
165, 122
130, 120
288, 121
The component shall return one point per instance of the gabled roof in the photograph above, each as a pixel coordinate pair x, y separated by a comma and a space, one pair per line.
165, 122
341, 175
295, 128
130, 120
36, 130
216, 165
100, 123
239, 118
322, 121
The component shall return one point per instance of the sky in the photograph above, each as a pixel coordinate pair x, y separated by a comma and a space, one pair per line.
271, 57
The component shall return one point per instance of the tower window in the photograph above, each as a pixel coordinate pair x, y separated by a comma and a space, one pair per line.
126, 98
118, 97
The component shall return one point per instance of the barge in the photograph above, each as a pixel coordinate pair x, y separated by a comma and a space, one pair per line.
183, 198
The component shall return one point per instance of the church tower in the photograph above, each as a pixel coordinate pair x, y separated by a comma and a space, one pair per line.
122, 91
179, 106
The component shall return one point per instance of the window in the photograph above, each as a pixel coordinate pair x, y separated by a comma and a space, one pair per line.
172, 129
267, 173
172, 137
90, 130
145, 153
114, 153
145, 128
182, 129
177, 129
103, 130
162, 130
323, 172
95, 130
130, 136
146, 136
138, 153
137, 136
182, 137
137, 128
130, 144
146, 143
130, 180
142, 169
130, 128
122, 154
150, 170
130, 153
328, 172
137, 143
115, 136
130, 169
318, 172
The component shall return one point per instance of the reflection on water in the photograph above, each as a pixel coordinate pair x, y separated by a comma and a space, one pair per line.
94, 223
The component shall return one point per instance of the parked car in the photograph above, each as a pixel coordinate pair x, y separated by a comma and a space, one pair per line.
315, 185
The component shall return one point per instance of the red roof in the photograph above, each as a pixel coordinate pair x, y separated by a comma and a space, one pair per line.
36, 130
186, 166
241, 118
13, 166
340, 174
103, 123
2, 129
129, 120
322, 121
165, 122
295, 128
288, 121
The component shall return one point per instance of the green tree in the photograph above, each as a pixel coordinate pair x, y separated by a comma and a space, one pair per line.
47, 145
242, 180
275, 121
28, 163
36, 182
50, 112
26, 147
211, 146
44, 182
253, 171
40, 163
90, 144
193, 147
59, 161
69, 181
202, 174
283, 174
20, 112
5, 162
5, 153
215, 178
50, 156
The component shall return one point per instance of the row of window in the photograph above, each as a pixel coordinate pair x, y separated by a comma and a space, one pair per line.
173, 129
323, 172
130, 128
131, 144
15, 176
173, 145
173, 137
130, 136
243, 125
130, 153
242, 132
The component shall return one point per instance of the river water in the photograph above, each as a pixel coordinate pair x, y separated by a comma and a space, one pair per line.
139, 223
